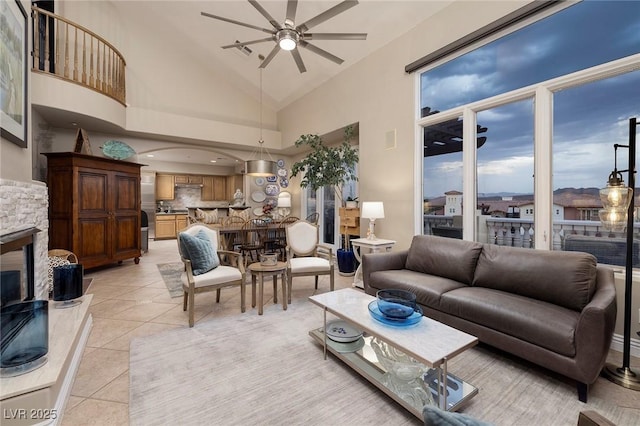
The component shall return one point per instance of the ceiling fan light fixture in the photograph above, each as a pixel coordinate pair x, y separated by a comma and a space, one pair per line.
287, 39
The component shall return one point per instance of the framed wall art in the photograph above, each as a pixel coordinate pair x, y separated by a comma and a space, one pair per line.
13, 72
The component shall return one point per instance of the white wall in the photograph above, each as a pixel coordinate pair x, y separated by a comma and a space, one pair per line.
380, 96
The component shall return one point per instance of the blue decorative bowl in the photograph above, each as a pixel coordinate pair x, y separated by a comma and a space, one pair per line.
396, 303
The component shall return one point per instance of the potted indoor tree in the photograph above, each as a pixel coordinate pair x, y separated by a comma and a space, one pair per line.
330, 167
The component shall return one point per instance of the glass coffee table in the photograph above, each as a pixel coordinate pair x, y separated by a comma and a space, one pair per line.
428, 344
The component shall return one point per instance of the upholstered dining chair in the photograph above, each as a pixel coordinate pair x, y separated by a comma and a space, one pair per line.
58, 257
305, 256
207, 267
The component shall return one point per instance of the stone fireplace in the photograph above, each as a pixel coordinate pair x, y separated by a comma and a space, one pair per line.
24, 208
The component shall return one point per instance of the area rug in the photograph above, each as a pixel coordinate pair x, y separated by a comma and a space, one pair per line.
250, 369
171, 273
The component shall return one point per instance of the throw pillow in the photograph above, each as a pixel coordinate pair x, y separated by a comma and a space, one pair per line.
198, 249
433, 416
207, 217
244, 214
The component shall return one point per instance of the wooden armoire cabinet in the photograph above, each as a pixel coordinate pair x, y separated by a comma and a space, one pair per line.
94, 207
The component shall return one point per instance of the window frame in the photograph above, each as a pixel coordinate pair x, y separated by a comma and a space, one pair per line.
542, 94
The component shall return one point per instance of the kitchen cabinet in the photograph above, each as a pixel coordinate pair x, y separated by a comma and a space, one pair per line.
234, 182
94, 207
165, 187
188, 179
167, 225
214, 188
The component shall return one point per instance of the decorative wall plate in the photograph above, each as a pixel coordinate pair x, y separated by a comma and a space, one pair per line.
258, 196
284, 182
260, 181
272, 178
282, 172
281, 163
258, 211
271, 201
117, 150
271, 190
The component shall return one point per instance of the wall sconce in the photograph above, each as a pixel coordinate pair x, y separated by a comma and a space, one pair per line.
284, 204
372, 210
618, 212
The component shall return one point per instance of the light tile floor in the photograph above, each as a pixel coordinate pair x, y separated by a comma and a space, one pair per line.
130, 301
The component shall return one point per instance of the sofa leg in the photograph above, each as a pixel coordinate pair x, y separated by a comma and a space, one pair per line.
583, 390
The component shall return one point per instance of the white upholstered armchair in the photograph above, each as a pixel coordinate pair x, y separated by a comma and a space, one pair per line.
207, 267
305, 257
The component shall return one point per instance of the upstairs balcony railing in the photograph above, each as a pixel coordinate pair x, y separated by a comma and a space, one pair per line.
71, 52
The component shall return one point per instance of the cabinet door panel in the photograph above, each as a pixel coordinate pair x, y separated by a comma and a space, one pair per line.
165, 229
126, 235
93, 241
92, 198
126, 189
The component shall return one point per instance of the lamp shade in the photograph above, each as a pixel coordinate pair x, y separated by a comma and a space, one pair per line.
616, 196
284, 202
372, 210
261, 168
614, 219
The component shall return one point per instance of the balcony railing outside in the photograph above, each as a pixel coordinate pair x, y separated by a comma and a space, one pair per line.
74, 53
520, 232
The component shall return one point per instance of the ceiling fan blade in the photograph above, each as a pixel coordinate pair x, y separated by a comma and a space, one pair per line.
292, 5
335, 36
208, 15
269, 57
296, 57
326, 15
245, 43
320, 52
266, 14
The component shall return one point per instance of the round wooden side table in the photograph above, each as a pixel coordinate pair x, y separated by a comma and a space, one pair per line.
259, 270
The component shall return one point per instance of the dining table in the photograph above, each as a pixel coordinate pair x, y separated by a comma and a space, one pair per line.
232, 234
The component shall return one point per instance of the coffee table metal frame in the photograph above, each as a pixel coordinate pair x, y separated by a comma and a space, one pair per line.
429, 342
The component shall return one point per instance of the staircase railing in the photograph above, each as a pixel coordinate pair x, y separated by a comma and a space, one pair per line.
76, 54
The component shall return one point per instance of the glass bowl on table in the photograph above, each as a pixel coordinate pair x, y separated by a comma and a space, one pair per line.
396, 303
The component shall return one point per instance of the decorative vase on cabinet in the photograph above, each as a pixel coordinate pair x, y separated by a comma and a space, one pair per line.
94, 207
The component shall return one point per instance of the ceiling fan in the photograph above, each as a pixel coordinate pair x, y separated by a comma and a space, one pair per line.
289, 37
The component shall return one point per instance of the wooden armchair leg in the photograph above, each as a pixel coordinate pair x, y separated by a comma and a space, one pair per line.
218, 296
316, 282
275, 289
184, 304
191, 309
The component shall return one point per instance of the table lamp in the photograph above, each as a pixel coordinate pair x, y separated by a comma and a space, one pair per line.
372, 210
284, 204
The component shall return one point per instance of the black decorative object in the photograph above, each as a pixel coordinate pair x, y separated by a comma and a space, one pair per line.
25, 337
67, 285
623, 375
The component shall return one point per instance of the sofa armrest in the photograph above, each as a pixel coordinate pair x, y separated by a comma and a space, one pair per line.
596, 325
372, 262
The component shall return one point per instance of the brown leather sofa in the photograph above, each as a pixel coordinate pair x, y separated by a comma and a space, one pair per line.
556, 309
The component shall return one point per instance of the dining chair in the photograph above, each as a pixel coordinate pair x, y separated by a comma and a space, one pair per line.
254, 234
55, 258
207, 267
280, 236
313, 218
305, 256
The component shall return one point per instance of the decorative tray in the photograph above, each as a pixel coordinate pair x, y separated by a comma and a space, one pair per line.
412, 319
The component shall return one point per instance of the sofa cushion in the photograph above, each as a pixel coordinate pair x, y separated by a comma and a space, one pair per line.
427, 288
566, 279
540, 323
444, 257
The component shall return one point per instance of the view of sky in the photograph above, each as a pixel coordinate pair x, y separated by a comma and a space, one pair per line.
588, 119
